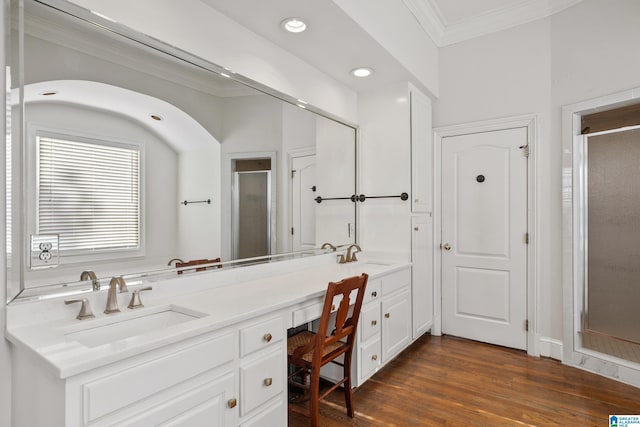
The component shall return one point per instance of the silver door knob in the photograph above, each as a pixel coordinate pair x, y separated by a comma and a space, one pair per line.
446, 247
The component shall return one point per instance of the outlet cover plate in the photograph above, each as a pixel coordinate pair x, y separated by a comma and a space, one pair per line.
44, 251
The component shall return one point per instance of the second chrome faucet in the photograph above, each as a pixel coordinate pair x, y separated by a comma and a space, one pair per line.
112, 298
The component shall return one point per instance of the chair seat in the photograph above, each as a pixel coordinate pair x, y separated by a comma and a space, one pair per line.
302, 338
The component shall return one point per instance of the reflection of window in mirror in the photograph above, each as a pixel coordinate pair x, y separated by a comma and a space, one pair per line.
88, 192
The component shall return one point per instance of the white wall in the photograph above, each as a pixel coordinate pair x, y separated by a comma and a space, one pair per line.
585, 51
197, 28
500, 75
392, 25
385, 169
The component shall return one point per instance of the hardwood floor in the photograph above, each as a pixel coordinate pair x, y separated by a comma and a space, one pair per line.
451, 381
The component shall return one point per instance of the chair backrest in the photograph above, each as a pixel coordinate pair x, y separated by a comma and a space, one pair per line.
196, 262
344, 324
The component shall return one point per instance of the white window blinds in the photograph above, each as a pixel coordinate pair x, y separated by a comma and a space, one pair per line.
89, 194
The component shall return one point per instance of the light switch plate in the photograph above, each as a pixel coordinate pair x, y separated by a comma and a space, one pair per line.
44, 251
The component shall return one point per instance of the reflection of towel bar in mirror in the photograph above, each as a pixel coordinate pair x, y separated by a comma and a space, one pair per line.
186, 202
362, 198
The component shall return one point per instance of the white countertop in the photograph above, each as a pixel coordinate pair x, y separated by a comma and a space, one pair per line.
220, 306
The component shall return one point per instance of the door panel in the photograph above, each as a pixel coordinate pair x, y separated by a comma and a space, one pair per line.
484, 221
303, 204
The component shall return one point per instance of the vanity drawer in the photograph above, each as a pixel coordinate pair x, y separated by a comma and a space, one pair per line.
369, 321
369, 358
116, 391
372, 292
270, 417
261, 380
395, 281
261, 335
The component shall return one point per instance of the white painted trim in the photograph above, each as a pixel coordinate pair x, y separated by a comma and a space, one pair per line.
529, 121
572, 236
292, 154
445, 33
550, 347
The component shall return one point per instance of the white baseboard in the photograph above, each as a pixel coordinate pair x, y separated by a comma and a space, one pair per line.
550, 347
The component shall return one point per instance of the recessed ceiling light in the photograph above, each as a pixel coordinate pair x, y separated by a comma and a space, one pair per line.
301, 106
362, 72
302, 102
49, 92
293, 25
157, 117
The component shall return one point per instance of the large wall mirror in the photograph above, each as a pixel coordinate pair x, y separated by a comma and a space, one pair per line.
125, 154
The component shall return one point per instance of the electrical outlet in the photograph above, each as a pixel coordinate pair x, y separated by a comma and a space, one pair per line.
44, 251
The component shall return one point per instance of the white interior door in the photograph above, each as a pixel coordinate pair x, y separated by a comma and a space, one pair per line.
303, 204
484, 247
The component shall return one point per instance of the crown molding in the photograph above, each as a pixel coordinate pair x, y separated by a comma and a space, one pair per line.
444, 33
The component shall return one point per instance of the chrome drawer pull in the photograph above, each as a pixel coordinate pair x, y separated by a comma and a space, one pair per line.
267, 337
268, 381
231, 403
374, 357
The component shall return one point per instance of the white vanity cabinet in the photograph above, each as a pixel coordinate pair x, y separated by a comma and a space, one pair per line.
263, 377
236, 376
385, 323
178, 385
421, 152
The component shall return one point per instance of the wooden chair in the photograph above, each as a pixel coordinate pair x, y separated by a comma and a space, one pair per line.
197, 262
310, 351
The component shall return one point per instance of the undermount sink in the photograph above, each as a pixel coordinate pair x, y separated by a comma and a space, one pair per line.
126, 327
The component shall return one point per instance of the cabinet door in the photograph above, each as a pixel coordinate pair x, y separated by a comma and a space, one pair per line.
421, 152
422, 274
396, 323
208, 405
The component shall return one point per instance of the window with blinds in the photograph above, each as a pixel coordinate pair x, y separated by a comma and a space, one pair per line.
89, 193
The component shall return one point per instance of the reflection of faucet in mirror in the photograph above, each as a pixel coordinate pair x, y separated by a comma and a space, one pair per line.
177, 260
112, 299
89, 274
351, 256
328, 246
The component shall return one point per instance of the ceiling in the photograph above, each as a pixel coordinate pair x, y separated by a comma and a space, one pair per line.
452, 21
332, 43
335, 44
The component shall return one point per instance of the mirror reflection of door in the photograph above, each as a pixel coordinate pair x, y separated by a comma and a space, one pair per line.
251, 234
303, 204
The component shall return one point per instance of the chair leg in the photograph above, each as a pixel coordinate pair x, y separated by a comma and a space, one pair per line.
314, 398
347, 384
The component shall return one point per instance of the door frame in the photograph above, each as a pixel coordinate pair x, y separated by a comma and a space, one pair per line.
293, 154
530, 122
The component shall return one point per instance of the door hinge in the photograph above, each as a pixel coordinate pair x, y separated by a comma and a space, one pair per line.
525, 150
293, 172
292, 231
526, 238
526, 325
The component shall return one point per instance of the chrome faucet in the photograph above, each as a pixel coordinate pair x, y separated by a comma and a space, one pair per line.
328, 246
89, 274
112, 299
175, 259
351, 256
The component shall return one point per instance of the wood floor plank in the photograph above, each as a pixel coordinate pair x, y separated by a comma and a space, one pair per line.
454, 382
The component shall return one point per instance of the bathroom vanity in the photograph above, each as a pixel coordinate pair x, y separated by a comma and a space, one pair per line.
211, 347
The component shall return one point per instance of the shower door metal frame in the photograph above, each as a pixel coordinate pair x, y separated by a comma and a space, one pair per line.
235, 209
